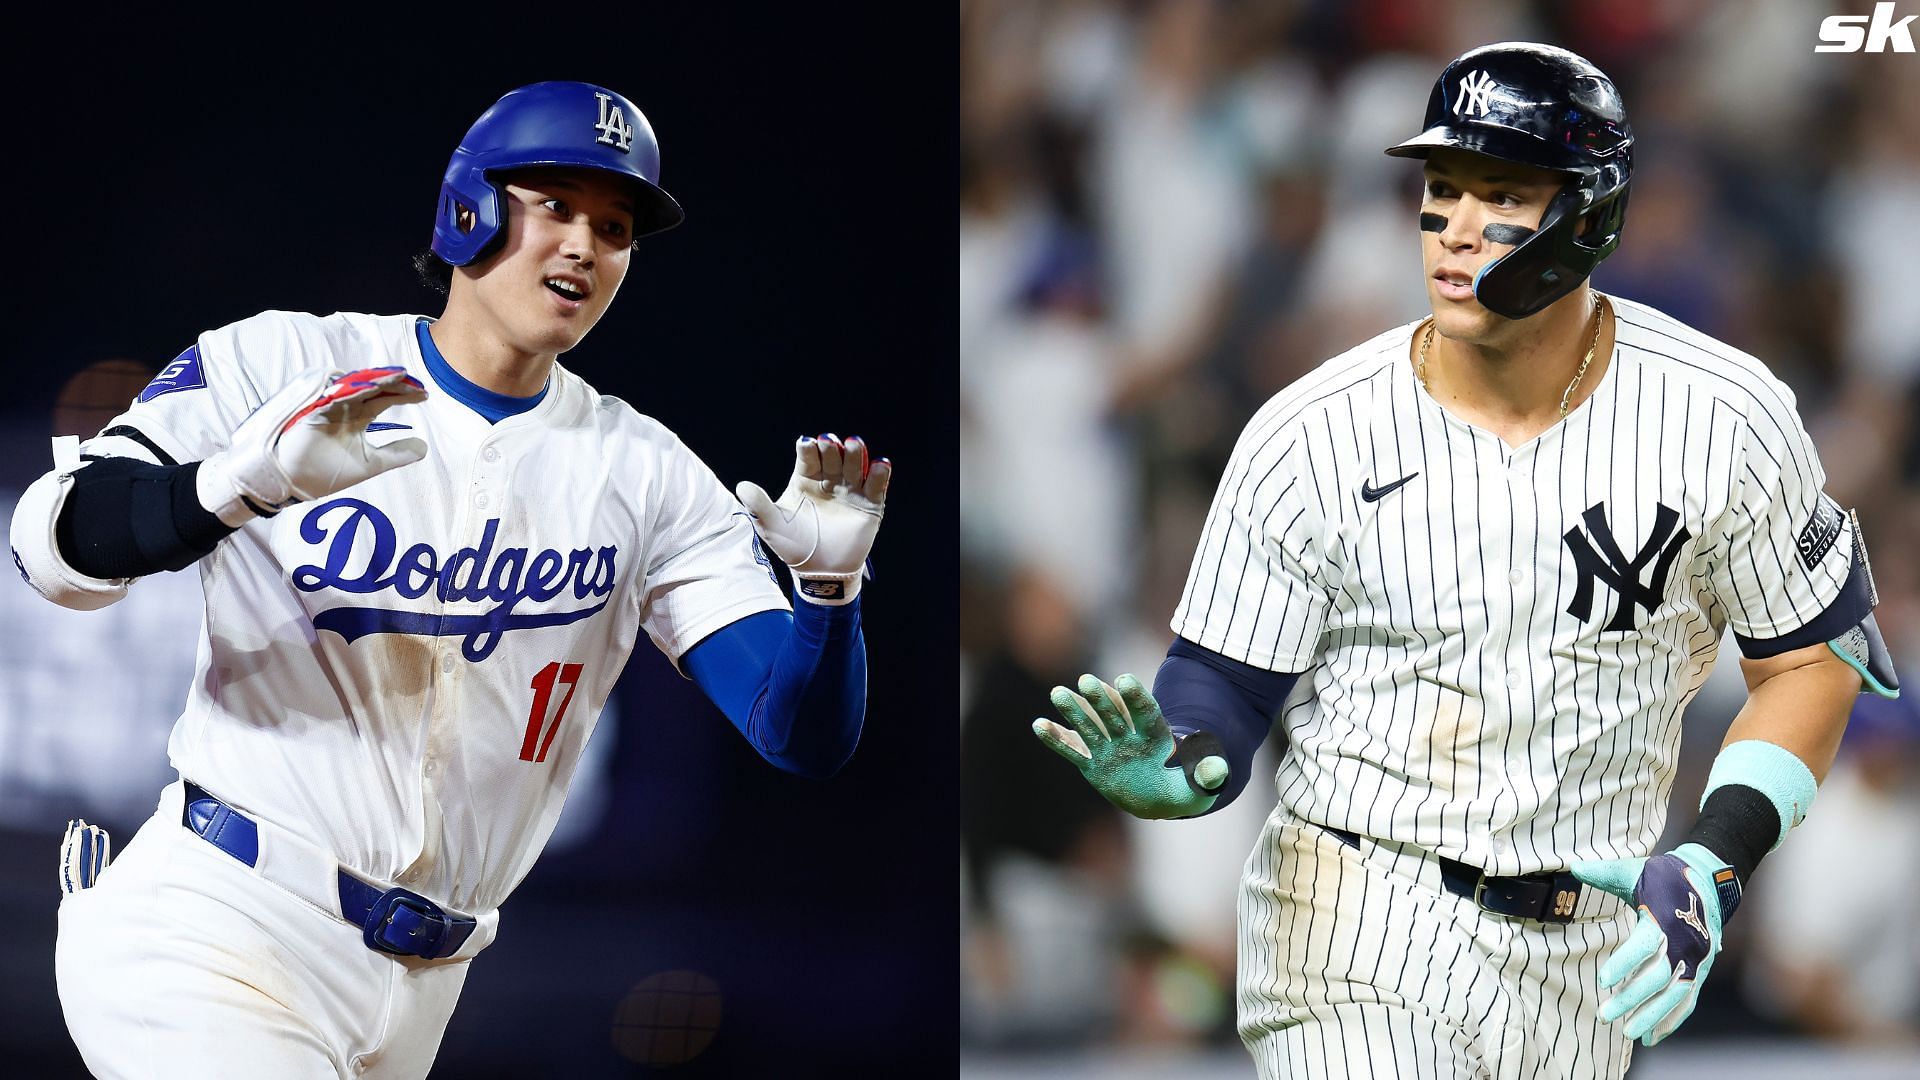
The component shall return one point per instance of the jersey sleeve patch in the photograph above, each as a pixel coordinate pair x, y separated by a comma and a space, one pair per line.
182, 374
1821, 530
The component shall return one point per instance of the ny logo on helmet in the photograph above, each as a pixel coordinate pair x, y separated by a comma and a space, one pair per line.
1475, 90
613, 127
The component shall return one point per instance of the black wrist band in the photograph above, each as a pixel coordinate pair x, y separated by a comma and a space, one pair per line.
1740, 825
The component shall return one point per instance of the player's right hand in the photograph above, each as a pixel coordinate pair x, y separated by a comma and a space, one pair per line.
1128, 753
309, 440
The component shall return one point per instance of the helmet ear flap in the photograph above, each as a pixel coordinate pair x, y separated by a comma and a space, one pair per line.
470, 220
455, 212
1597, 231
1556, 258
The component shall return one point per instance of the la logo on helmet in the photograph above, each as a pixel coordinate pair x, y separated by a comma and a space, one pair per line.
613, 127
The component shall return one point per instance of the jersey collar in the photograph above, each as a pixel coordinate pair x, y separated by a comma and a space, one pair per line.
491, 404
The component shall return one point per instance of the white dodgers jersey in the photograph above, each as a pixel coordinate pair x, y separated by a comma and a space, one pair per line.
405, 673
1501, 639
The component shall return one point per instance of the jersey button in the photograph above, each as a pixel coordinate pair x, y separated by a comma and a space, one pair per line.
446, 663
1516, 577
480, 499
491, 454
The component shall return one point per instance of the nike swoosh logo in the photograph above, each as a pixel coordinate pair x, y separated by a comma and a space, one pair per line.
385, 425
1375, 494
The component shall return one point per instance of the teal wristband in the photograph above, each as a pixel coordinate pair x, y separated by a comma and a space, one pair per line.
1772, 771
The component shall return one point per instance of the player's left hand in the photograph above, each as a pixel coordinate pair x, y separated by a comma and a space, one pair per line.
1128, 752
1685, 896
824, 523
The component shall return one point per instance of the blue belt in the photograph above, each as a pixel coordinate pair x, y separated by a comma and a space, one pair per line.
398, 921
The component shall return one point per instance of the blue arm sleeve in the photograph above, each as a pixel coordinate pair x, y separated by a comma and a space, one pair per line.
1201, 691
794, 684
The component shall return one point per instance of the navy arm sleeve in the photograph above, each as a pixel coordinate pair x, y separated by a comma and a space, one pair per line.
794, 684
1201, 691
126, 519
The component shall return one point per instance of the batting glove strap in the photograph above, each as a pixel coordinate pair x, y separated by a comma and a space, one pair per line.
832, 590
307, 441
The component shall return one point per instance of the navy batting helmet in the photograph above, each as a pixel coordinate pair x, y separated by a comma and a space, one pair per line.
1546, 107
550, 123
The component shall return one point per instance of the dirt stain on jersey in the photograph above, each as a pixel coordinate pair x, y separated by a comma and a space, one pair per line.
1453, 747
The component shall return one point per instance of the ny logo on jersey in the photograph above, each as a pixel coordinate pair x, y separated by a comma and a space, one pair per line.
613, 127
1621, 574
1476, 90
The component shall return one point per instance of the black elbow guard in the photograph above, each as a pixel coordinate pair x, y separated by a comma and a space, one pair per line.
125, 519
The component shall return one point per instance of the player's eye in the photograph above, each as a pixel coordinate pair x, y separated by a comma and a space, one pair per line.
1438, 190
1506, 200
617, 230
555, 205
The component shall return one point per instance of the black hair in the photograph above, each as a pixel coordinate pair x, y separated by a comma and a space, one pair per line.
434, 272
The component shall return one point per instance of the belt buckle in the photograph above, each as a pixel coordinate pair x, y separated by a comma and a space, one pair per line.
404, 923
1555, 905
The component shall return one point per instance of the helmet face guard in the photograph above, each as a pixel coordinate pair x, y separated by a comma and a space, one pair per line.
1556, 258
549, 124
1546, 107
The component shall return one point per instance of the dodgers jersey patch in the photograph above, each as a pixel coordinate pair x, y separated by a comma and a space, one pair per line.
182, 374
1821, 531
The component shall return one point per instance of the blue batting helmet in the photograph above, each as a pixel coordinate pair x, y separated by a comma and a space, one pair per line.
572, 124
1546, 107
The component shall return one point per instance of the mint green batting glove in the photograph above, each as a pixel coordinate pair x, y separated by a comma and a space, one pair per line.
1125, 749
1685, 896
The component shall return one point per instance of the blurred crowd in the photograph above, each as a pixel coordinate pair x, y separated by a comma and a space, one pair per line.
1169, 209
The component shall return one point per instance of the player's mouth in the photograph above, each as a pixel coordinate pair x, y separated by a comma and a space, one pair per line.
1454, 285
570, 292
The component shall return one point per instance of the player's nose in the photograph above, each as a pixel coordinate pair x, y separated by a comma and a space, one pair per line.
1464, 225
576, 241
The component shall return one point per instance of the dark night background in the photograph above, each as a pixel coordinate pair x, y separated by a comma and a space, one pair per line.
167, 179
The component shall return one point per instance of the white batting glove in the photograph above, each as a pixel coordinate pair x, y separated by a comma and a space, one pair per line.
307, 441
824, 523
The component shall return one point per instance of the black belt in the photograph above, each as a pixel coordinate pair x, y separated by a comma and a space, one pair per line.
1543, 897
396, 920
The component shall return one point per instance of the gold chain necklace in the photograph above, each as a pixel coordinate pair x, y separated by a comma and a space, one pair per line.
1599, 307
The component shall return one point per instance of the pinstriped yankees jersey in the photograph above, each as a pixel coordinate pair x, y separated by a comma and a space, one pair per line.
1502, 638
